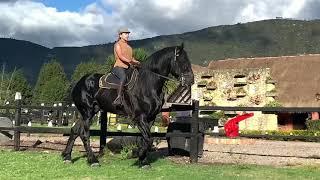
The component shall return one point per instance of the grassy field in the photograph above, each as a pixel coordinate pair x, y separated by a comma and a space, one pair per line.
41, 165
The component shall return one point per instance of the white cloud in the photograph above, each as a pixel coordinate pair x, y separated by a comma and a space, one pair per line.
33, 21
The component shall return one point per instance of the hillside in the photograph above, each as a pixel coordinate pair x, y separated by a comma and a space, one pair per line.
255, 39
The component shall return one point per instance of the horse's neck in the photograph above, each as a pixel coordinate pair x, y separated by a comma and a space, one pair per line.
151, 70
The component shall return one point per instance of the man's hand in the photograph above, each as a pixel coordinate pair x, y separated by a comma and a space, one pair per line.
135, 61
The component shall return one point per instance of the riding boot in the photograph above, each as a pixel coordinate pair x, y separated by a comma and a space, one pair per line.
118, 100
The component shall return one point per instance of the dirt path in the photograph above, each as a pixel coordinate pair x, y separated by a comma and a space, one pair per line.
226, 151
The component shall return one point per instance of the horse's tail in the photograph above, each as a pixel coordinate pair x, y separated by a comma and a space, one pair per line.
84, 91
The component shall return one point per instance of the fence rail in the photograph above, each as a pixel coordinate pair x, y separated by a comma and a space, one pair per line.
263, 109
193, 135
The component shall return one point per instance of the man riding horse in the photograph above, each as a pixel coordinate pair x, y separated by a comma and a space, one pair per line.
142, 101
123, 58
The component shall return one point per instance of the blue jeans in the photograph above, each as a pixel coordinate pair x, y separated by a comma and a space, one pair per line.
120, 73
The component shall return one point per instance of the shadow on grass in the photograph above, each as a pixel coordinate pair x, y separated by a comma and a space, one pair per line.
152, 157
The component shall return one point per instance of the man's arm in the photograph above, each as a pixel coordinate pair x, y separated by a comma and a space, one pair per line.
120, 55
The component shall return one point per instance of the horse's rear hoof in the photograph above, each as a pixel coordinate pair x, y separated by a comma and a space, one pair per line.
146, 167
67, 161
95, 165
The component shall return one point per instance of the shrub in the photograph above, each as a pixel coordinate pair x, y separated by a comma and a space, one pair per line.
313, 125
273, 104
127, 151
306, 133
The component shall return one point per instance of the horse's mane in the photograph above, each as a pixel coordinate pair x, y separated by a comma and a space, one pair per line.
157, 59
158, 62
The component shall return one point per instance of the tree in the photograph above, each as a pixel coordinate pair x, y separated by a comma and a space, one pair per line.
140, 54
87, 68
19, 83
54, 90
52, 84
109, 63
13, 82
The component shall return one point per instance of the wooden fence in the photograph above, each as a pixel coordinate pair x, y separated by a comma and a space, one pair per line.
103, 133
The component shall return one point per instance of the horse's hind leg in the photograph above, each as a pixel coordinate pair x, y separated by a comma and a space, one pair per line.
75, 131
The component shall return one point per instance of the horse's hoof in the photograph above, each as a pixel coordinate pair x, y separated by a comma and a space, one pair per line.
67, 161
95, 165
146, 167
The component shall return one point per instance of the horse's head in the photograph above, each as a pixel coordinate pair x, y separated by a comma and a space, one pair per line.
181, 66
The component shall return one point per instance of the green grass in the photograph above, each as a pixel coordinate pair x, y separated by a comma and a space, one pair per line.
40, 165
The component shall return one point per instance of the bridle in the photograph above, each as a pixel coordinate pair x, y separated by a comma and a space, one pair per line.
182, 76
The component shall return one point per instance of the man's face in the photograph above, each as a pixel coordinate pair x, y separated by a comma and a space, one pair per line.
124, 36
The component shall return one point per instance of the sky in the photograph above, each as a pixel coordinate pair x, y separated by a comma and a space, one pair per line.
56, 23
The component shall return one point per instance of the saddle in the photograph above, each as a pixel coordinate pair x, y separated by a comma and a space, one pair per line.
111, 81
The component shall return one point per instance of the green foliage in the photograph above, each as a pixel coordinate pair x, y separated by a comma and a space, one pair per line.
313, 125
20, 84
54, 90
127, 151
274, 103
109, 63
13, 82
170, 87
202, 82
52, 84
218, 115
140, 54
87, 68
307, 133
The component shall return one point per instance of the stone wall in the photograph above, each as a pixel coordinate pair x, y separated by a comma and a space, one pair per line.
238, 87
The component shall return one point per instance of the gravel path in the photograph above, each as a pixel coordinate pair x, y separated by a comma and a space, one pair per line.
259, 152
264, 152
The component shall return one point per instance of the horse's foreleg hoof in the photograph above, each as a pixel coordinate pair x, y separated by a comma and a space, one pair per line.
67, 161
95, 165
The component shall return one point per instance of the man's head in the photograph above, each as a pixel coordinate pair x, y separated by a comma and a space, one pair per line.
124, 33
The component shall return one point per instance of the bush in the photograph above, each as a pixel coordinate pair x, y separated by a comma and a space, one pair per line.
127, 151
217, 115
313, 125
273, 104
306, 133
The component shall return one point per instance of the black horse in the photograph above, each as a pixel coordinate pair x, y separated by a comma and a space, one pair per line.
142, 102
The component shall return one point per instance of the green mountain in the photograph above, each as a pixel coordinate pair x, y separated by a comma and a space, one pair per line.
262, 38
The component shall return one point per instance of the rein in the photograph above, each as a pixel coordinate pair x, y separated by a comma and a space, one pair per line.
166, 77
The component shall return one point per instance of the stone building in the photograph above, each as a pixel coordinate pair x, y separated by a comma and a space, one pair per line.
289, 81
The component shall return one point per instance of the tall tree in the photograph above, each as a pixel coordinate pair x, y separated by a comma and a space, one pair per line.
52, 85
19, 83
87, 68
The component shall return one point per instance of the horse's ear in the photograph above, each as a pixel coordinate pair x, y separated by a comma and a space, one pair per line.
179, 48
182, 46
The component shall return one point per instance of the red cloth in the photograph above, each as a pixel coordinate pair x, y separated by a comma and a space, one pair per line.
231, 127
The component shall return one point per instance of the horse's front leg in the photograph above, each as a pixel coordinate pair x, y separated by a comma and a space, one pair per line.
144, 128
85, 137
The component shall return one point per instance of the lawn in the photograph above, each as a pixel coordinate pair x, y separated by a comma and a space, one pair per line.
42, 165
